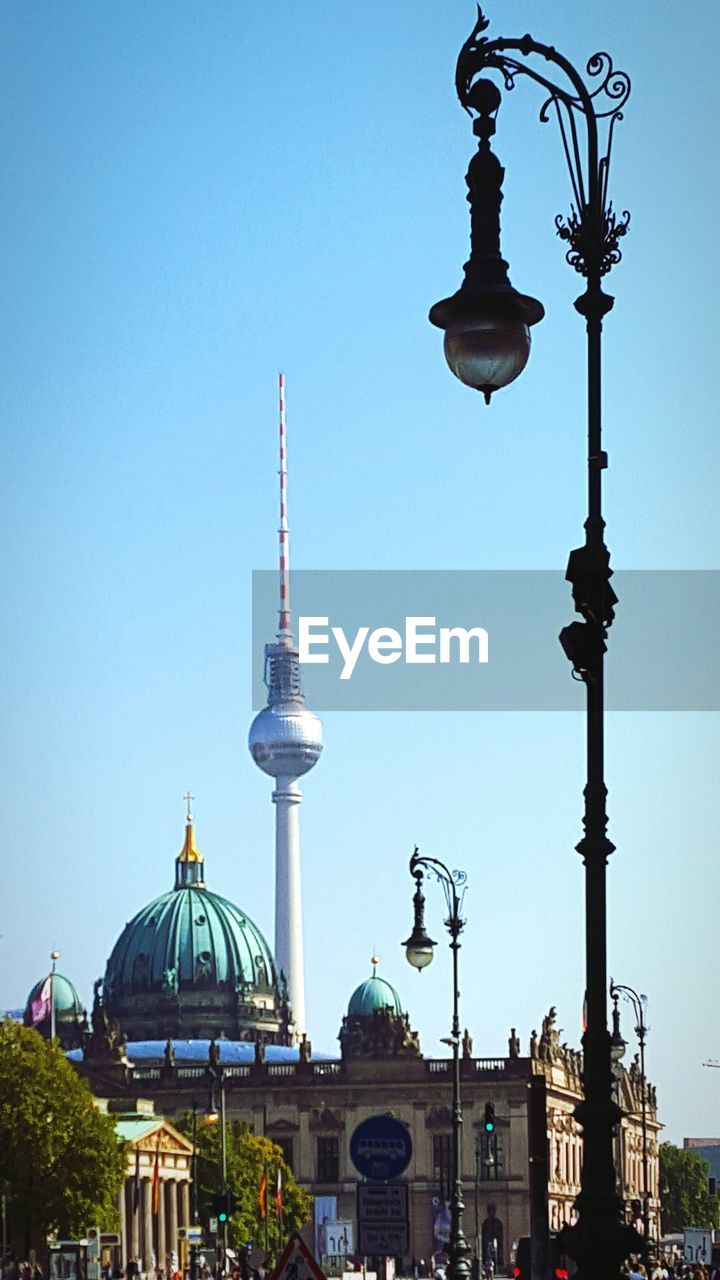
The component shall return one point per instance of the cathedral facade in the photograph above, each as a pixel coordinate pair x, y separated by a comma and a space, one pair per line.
521, 1180
191, 997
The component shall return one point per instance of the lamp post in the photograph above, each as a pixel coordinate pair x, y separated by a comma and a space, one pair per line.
419, 951
487, 343
217, 1079
617, 1050
638, 1003
478, 1158
54, 956
194, 1179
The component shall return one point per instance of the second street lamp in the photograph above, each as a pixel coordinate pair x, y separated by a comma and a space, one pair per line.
638, 1003
217, 1078
194, 1185
487, 342
419, 951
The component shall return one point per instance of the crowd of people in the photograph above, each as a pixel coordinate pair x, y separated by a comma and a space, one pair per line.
675, 1268
672, 1269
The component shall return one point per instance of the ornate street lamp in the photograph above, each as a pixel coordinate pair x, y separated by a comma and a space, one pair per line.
194, 1181
216, 1076
419, 951
639, 1003
617, 1044
487, 342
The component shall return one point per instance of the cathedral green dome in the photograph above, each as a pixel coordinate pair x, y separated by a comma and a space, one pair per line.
374, 993
192, 965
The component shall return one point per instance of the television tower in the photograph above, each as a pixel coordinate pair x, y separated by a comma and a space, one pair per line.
285, 741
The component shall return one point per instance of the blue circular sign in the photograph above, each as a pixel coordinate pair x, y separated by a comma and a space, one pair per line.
381, 1148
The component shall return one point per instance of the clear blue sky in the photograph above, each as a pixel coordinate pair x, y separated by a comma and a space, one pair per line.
195, 196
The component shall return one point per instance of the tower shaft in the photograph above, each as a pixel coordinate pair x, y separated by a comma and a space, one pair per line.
286, 741
289, 955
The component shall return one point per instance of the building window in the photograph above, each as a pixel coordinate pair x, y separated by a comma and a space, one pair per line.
328, 1160
443, 1164
286, 1146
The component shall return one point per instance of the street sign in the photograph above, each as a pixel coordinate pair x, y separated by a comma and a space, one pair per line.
381, 1148
108, 1238
380, 1203
338, 1238
65, 1261
383, 1242
192, 1234
296, 1262
212, 1224
382, 1212
697, 1244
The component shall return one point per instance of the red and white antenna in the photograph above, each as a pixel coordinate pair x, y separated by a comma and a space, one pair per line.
285, 629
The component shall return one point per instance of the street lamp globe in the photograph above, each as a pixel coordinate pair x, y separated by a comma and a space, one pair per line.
419, 951
487, 347
617, 1046
419, 948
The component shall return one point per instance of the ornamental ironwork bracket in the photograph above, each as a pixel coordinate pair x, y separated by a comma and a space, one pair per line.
593, 229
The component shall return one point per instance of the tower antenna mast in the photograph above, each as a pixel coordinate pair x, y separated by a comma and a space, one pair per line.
285, 628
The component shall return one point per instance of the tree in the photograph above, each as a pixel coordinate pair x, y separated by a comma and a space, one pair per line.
61, 1166
248, 1155
685, 1199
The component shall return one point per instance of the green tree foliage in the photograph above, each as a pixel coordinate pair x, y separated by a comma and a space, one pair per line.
684, 1190
247, 1155
60, 1164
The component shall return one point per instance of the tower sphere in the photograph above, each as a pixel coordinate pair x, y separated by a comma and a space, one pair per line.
285, 739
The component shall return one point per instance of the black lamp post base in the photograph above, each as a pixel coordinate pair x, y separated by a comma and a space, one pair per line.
599, 1252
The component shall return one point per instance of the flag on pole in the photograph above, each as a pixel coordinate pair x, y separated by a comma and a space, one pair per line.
262, 1193
156, 1178
278, 1195
41, 1006
136, 1183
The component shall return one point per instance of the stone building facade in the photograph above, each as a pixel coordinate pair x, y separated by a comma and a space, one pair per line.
154, 1203
522, 1180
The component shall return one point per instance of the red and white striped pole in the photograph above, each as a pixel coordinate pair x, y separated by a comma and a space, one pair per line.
285, 629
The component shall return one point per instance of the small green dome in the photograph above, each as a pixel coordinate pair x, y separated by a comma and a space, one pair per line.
374, 993
68, 1004
69, 1011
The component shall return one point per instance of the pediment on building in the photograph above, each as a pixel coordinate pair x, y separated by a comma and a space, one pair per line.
165, 1139
280, 1127
438, 1118
325, 1118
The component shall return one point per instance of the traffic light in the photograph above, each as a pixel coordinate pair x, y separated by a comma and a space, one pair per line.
489, 1117
583, 645
224, 1206
590, 573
